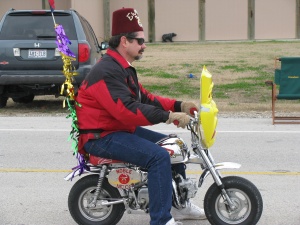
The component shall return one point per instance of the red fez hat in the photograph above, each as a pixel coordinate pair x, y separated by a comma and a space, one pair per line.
125, 20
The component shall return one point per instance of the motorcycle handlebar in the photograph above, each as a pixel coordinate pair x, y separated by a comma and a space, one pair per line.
192, 119
193, 111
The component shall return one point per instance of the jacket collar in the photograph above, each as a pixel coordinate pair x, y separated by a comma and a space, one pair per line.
116, 55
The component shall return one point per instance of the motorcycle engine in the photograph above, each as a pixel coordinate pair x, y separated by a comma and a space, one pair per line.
176, 147
124, 177
189, 187
143, 197
183, 190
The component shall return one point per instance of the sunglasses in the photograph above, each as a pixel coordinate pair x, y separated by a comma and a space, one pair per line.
140, 41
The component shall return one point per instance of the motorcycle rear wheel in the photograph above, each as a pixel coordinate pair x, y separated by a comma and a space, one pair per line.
245, 196
81, 194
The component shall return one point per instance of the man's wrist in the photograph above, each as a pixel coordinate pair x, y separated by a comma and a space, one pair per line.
165, 116
177, 106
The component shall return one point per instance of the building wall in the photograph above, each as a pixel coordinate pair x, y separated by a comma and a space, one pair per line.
93, 13
275, 19
224, 19
19, 4
30, 4
176, 16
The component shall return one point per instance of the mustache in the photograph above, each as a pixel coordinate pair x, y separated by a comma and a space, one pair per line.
141, 51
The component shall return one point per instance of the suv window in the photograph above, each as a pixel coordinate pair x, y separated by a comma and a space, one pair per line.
32, 26
89, 33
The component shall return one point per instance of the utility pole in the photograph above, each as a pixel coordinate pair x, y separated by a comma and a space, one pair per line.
297, 19
43, 4
151, 20
251, 19
106, 19
201, 20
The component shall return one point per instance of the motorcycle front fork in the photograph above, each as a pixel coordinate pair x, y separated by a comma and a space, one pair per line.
209, 161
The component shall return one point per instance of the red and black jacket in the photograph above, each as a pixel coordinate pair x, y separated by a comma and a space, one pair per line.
111, 99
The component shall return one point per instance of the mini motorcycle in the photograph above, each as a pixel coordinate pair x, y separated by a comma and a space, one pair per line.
112, 187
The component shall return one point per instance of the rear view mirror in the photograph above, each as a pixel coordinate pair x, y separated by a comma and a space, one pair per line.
104, 45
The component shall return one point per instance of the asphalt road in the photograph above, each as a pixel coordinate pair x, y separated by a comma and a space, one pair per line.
35, 156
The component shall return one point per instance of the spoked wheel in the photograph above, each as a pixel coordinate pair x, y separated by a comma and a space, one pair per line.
81, 195
245, 196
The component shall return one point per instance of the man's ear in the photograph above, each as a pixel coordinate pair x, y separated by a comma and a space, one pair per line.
123, 41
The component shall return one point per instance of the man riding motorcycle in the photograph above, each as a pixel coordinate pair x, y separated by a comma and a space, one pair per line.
112, 107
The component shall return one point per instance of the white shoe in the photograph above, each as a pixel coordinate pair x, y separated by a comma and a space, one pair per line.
190, 212
173, 222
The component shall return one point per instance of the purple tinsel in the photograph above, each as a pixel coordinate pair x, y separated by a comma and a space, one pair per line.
62, 41
81, 165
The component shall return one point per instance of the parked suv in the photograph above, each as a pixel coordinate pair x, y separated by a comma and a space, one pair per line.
30, 63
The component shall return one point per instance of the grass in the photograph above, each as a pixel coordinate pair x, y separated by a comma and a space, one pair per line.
239, 71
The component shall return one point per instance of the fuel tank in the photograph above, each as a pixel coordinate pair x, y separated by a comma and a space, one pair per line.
176, 147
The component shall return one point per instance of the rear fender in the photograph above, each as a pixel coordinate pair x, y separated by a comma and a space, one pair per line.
76, 173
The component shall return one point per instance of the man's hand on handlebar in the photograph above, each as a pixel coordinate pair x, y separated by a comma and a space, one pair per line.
189, 108
180, 119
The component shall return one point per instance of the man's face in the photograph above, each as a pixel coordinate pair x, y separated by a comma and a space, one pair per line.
136, 47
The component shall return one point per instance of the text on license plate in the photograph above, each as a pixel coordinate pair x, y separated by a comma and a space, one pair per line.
37, 53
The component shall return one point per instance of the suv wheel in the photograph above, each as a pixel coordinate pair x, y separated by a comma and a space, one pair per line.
25, 99
3, 101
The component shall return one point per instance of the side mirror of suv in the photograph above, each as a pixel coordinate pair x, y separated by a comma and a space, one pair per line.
104, 45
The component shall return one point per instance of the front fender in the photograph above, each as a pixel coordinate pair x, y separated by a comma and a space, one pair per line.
227, 165
218, 166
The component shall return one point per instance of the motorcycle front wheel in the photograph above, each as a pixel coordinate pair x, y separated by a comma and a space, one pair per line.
81, 195
245, 196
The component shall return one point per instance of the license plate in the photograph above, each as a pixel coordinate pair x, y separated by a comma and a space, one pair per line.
37, 53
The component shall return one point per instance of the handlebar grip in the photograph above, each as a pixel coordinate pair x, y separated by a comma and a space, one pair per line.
192, 110
176, 122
